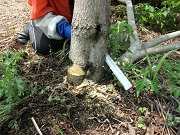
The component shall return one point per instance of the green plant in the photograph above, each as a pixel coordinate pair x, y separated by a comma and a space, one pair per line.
140, 123
118, 38
111, 88
173, 4
149, 75
142, 109
11, 84
13, 124
159, 18
173, 121
178, 108
54, 98
172, 69
62, 54
57, 128
4, 112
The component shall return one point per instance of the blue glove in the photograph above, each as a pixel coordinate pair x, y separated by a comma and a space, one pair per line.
64, 29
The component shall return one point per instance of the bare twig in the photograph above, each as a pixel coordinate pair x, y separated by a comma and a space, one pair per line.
106, 120
36, 126
175, 99
163, 115
123, 123
109, 125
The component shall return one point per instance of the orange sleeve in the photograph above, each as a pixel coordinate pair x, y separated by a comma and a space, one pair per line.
29, 2
39, 8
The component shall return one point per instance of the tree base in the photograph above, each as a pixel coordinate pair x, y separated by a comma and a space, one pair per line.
75, 75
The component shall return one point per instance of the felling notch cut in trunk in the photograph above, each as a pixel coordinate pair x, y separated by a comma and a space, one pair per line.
90, 32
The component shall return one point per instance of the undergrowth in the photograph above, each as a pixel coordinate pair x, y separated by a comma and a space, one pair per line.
163, 18
11, 84
145, 77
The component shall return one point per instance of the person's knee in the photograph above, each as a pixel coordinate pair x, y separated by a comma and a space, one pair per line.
41, 48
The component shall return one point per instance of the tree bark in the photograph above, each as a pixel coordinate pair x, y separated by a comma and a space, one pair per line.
90, 32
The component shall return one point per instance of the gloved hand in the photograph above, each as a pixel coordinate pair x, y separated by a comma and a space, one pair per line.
64, 29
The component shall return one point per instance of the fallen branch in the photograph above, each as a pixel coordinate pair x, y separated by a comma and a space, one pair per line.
137, 47
36, 126
155, 50
161, 39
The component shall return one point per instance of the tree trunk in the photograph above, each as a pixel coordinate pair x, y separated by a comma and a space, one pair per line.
90, 32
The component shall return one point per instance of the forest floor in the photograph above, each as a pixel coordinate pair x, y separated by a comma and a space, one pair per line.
90, 109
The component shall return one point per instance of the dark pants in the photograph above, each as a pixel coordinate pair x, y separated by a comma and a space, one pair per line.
41, 43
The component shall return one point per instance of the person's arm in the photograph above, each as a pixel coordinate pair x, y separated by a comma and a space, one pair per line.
39, 8
54, 27
64, 29
30, 3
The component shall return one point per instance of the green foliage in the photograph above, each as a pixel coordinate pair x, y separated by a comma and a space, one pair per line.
178, 109
140, 123
4, 112
149, 74
11, 84
146, 77
57, 128
118, 38
173, 121
13, 124
172, 70
164, 18
142, 109
173, 4
54, 98
111, 88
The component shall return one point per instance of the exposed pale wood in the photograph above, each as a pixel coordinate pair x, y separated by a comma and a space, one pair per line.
91, 23
75, 75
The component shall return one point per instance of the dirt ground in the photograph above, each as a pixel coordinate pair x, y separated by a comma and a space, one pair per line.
89, 109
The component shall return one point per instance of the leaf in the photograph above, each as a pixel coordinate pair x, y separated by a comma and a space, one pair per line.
177, 93
154, 85
149, 61
165, 13
144, 18
140, 125
140, 120
143, 127
151, 9
57, 128
160, 63
140, 85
